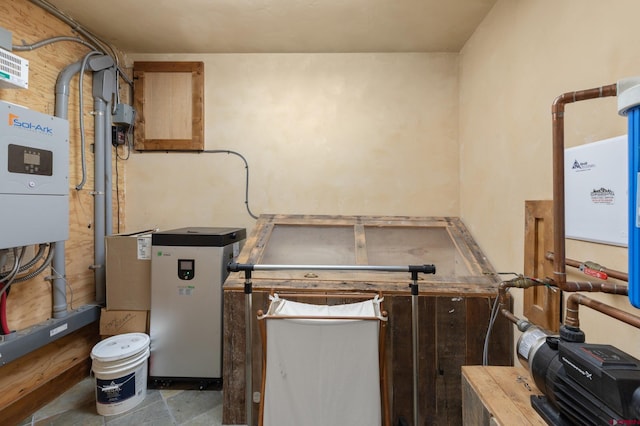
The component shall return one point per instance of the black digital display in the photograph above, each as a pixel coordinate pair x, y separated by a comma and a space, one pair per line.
29, 160
186, 269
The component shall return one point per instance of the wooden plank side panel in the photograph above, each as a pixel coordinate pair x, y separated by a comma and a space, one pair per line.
400, 287
500, 340
427, 354
32, 381
471, 250
401, 359
342, 220
233, 358
477, 324
504, 393
542, 305
517, 385
474, 413
360, 245
40, 397
451, 319
489, 392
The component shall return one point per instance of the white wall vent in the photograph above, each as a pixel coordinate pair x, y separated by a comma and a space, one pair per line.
14, 71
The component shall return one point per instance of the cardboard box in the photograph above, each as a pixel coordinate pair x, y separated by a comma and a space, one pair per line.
120, 322
128, 271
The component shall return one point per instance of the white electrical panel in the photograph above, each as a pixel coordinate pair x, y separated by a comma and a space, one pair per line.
597, 192
14, 71
34, 177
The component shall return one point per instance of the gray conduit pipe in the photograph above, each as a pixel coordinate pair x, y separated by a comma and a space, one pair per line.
58, 288
62, 110
108, 173
100, 108
104, 87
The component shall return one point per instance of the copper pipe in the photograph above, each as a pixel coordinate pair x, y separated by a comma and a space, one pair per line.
603, 287
510, 316
557, 113
577, 299
570, 286
623, 276
502, 301
518, 282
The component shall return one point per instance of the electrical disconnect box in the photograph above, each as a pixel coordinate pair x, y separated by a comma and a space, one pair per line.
123, 118
34, 179
124, 115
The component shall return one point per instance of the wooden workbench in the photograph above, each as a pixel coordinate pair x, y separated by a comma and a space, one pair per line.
498, 396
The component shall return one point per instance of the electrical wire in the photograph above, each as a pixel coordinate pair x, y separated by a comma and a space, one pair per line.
5, 284
13, 277
3, 314
35, 259
246, 166
8, 278
492, 319
117, 195
84, 213
66, 283
41, 43
97, 41
128, 139
38, 271
29, 264
14, 269
128, 143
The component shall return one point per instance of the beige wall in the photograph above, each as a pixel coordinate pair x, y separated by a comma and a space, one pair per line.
387, 133
371, 134
524, 54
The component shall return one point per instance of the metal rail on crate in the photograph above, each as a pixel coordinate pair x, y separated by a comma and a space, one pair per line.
248, 268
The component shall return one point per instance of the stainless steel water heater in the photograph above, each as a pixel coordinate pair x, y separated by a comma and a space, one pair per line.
188, 267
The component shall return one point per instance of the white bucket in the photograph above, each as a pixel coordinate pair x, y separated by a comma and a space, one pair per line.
120, 367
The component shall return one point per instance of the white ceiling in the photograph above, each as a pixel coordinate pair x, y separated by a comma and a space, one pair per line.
273, 26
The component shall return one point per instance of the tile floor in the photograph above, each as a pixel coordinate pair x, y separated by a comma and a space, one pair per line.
161, 407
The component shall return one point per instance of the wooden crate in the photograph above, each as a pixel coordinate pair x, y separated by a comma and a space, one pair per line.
498, 396
454, 304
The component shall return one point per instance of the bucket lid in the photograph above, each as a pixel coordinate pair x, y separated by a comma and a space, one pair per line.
120, 346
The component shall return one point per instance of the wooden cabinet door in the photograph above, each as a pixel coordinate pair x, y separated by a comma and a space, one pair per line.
542, 305
169, 104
